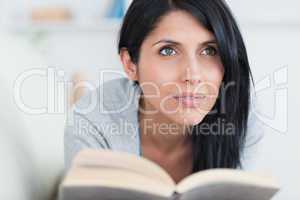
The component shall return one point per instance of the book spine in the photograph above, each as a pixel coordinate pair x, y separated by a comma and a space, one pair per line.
176, 196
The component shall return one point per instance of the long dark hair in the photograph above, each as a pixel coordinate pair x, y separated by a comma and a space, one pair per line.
224, 148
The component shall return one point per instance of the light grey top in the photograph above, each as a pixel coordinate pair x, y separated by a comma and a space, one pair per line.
107, 118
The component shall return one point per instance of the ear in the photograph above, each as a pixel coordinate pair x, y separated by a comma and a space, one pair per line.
129, 67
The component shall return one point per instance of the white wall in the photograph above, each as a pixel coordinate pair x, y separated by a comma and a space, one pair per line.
270, 11
271, 49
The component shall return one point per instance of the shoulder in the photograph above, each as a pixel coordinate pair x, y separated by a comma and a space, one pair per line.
111, 99
108, 94
254, 138
111, 110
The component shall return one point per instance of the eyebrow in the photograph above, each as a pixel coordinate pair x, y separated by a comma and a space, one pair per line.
213, 41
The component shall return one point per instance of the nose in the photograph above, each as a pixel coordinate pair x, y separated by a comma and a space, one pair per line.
192, 81
192, 73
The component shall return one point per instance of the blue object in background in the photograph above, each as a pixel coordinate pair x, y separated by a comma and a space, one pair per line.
117, 9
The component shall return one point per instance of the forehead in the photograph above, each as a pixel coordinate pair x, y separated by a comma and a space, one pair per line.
181, 26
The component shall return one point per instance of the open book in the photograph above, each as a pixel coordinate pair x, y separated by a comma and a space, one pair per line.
110, 175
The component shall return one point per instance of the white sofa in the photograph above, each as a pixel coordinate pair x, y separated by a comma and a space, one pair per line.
31, 146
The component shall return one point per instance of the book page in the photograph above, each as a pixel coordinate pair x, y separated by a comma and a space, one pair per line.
123, 161
213, 176
94, 193
229, 191
114, 179
227, 184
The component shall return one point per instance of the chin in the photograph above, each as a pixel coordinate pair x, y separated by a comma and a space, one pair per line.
188, 119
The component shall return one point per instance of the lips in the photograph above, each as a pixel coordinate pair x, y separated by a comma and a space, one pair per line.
190, 96
190, 101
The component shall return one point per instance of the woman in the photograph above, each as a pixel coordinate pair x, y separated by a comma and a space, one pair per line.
186, 99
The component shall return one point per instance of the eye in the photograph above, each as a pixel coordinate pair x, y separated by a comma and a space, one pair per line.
209, 51
167, 51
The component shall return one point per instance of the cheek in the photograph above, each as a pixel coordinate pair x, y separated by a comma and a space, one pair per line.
211, 86
215, 76
157, 69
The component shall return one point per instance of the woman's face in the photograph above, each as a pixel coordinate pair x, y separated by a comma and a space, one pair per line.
180, 57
